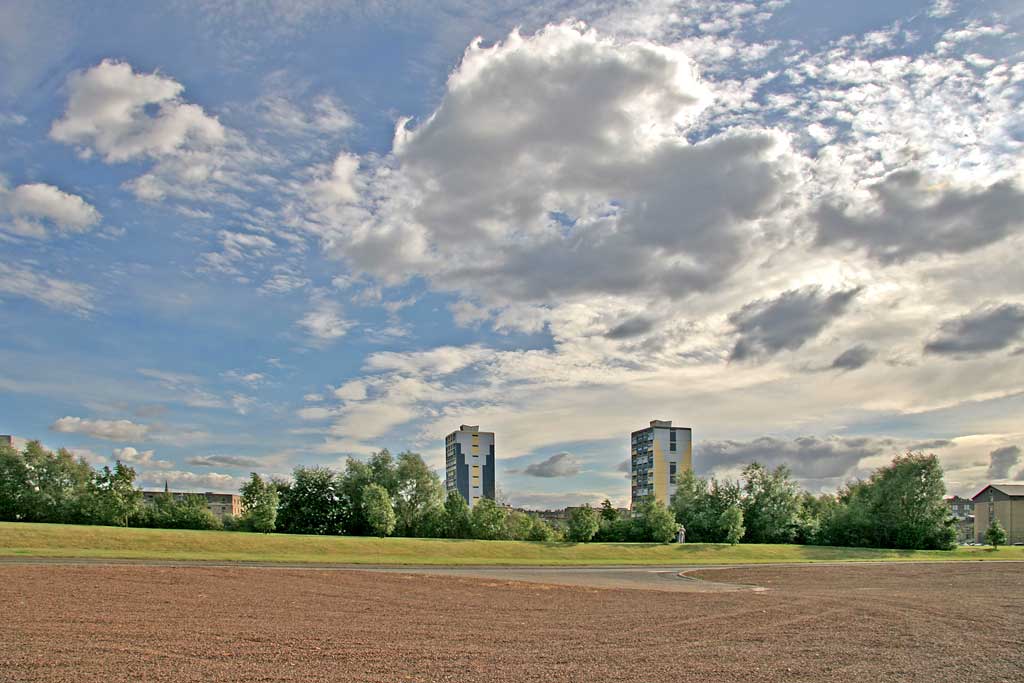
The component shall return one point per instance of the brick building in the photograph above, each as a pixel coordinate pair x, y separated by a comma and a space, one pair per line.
221, 504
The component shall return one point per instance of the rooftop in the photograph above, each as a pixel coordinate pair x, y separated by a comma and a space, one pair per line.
1013, 490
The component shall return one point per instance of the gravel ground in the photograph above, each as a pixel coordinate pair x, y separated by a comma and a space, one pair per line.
848, 623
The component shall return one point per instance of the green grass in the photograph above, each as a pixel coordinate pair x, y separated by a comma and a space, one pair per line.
69, 541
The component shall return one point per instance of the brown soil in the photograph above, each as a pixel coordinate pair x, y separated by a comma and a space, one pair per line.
864, 623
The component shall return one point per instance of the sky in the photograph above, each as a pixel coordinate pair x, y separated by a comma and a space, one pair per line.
247, 236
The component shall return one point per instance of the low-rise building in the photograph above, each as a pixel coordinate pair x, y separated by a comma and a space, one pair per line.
220, 504
1004, 502
962, 510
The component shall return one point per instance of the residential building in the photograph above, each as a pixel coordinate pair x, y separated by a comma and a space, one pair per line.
1004, 502
962, 510
12, 441
469, 463
220, 504
659, 455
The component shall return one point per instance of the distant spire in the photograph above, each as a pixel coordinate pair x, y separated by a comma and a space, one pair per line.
167, 489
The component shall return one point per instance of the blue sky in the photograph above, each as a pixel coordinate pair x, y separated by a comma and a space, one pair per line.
245, 236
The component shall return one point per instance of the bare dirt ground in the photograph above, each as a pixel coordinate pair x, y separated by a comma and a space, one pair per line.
834, 623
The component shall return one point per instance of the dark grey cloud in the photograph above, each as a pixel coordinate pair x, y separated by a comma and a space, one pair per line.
911, 217
853, 358
817, 462
633, 327
768, 326
558, 465
223, 461
989, 328
1002, 460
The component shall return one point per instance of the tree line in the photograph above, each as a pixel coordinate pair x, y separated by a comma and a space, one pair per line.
37, 485
899, 506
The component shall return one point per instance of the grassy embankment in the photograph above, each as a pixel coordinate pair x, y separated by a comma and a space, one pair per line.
68, 541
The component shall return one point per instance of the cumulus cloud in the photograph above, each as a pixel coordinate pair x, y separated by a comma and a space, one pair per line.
853, 358
30, 208
768, 326
50, 291
224, 461
989, 328
133, 456
192, 481
1002, 460
557, 165
109, 112
112, 430
558, 465
910, 215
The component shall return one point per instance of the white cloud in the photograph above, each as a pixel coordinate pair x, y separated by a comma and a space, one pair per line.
235, 248
107, 112
30, 208
325, 322
112, 430
180, 480
133, 456
50, 291
556, 165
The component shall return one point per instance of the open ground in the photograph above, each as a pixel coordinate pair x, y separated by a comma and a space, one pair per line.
879, 622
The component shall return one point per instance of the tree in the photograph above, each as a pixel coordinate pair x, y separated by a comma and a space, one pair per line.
995, 535
518, 525
380, 514
699, 504
654, 523
770, 504
732, 523
487, 520
351, 485
310, 503
167, 511
608, 513
583, 524
899, 506
418, 494
259, 504
114, 500
456, 517
540, 530
14, 488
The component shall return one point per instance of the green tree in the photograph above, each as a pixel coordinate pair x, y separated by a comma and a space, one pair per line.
259, 504
379, 512
358, 475
654, 523
310, 503
583, 524
13, 485
608, 512
732, 523
114, 500
418, 494
698, 505
167, 511
995, 535
540, 530
456, 517
518, 525
487, 520
771, 505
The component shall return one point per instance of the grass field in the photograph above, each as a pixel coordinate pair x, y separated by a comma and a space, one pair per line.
58, 540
